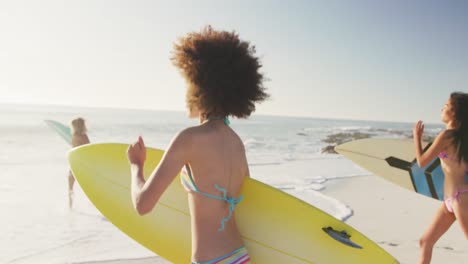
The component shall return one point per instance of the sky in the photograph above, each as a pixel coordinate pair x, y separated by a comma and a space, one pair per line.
368, 60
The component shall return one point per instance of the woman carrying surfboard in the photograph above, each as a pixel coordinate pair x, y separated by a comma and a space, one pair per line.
451, 146
79, 137
223, 79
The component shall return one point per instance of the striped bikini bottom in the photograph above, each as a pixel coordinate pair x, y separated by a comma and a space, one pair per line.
237, 256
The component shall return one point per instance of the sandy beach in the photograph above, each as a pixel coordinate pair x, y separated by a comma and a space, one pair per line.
396, 218
391, 216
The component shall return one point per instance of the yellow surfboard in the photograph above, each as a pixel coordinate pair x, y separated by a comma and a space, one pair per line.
276, 227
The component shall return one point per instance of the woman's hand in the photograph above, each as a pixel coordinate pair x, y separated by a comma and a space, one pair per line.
136, 152
418, 130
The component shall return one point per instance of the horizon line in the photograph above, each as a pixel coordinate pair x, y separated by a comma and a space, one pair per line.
181, 111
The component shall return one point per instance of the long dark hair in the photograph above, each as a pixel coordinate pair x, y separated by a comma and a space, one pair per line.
459, 102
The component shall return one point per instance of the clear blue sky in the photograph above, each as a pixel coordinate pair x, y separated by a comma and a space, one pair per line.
379, 60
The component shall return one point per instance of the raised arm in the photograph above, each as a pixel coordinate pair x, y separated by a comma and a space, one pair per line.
145, 194
440, 143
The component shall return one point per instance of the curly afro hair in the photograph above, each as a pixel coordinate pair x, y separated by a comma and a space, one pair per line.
222, 73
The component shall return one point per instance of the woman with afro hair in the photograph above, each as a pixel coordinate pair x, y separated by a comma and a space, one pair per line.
223, 79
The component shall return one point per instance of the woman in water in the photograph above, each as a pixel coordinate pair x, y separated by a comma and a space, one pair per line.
223, 79
451, 146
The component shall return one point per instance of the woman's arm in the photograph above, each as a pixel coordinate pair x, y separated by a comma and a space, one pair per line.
145, 194
439, 144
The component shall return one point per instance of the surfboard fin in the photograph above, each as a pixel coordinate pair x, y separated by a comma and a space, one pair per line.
341, 236
398, 163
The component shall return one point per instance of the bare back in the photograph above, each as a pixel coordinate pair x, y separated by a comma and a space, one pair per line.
217, 156
78, 140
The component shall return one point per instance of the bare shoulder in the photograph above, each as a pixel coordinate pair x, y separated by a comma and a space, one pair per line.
444, 138
448, 133
442, 141
182, 140
191, 134
239, 140
184, 136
